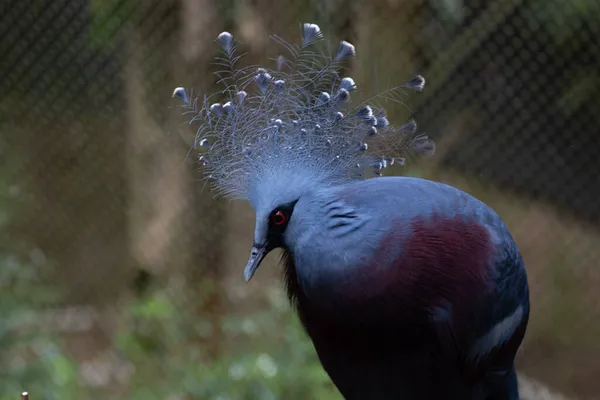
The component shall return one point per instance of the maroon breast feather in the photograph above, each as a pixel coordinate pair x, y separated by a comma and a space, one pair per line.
439, 261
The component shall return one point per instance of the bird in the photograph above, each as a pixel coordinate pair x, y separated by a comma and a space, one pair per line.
407, 287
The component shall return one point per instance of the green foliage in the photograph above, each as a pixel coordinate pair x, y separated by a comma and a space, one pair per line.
108, 18
266, 355
452, 11
569, 23
29, 358
565, 20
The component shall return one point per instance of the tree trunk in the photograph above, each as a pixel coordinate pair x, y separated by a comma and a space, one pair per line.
205, 216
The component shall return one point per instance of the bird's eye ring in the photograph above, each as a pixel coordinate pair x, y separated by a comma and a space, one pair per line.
278, 218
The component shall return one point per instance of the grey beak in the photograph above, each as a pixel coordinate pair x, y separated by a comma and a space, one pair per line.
256, 257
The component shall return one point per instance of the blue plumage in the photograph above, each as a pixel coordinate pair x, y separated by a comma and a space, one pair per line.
408, 288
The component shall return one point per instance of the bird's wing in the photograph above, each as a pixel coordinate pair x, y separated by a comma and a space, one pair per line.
486, 347
451, 253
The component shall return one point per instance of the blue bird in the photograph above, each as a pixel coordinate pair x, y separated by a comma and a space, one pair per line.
408, 288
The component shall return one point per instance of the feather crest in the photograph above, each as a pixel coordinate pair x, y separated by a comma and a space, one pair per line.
297, 118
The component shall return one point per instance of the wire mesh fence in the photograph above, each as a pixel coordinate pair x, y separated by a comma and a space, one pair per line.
121, 276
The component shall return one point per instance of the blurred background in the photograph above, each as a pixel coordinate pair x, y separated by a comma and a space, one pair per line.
120, 277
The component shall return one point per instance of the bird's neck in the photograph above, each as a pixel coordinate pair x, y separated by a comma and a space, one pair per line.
290, 276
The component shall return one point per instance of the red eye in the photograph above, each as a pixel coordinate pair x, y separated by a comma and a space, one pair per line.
278, 218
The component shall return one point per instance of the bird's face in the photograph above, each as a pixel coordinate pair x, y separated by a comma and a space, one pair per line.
269, 234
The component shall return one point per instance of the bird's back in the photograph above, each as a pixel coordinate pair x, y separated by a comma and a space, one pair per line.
437, 311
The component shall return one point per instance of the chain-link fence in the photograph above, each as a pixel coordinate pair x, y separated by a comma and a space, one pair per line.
120, 276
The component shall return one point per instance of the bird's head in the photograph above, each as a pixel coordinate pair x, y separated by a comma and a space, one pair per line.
274, 199
273, 134
269, 234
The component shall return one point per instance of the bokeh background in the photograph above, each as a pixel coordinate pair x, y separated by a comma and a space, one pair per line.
120, 277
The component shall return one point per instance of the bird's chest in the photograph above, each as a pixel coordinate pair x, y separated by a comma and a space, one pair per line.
396, 360
372, 329
396, 299
371, 344
402, 277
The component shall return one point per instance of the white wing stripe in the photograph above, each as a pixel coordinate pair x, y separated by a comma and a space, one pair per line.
499, 334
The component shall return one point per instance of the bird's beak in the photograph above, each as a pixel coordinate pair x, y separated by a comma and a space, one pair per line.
256, 256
